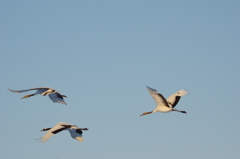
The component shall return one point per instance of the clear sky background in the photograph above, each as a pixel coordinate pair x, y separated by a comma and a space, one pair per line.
102, 55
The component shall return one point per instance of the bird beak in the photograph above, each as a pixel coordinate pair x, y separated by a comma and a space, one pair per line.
145, 113
23, 97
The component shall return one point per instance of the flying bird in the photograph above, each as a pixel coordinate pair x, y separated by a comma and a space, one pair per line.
164, 105
54, 95
74, 131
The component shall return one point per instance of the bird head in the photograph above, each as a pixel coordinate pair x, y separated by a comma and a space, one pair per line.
145, 113
26, 96
45, 129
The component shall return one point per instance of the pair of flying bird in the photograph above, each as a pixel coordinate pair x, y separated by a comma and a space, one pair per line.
163, 106
56, 97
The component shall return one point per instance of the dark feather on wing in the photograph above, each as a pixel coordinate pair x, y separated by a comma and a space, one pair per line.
79, 131
59, 95
163, 100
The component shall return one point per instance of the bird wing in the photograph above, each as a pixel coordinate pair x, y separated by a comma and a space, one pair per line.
25, 90
57, 98
19, 91
159, 99
174, 98
54, 130
76, 133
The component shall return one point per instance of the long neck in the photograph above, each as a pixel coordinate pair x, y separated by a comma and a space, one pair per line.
148, 112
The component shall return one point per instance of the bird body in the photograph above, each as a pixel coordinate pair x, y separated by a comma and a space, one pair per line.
162, 109
74, 131
164, 105
54, 95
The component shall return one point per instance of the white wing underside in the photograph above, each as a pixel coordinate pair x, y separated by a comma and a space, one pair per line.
49, 134
172, 99
57, 98
26, 90
159, 99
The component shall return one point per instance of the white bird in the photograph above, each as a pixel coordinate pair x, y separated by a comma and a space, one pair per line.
54, 95
75, 132
164, 105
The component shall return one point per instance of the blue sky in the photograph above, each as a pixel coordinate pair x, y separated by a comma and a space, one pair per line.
102, 54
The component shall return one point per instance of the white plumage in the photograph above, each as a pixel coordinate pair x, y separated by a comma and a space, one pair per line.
164, 105
74, 131
54, 95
